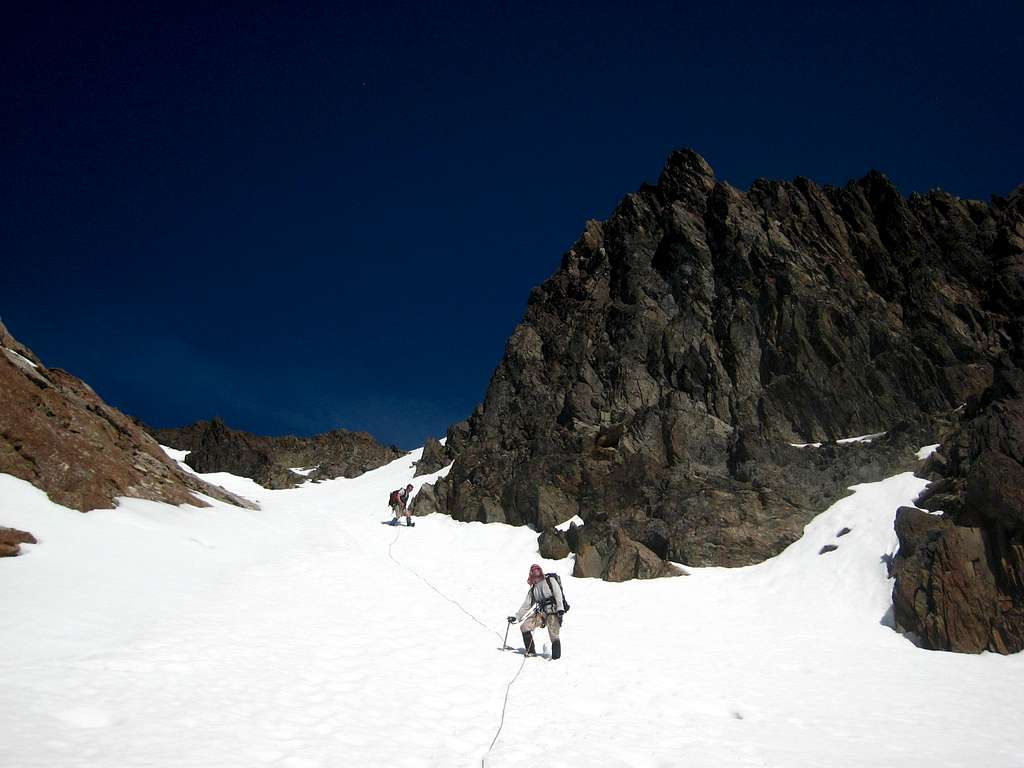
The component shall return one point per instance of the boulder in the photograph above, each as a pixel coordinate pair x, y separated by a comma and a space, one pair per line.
605, 551
553, 544
11, 540
429, 498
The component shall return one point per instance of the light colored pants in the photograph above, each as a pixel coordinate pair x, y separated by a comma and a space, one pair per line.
551, 620
397, 509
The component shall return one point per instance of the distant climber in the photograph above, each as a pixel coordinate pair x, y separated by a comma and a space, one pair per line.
547, 602
399, 501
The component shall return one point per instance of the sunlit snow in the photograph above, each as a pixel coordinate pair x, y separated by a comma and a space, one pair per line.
843, 441
309, 634
19, 357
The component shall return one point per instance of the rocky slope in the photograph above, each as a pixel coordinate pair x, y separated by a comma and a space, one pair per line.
960, 575
215, 447
56, 433
658, 378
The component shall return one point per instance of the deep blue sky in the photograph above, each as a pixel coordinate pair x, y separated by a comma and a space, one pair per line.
306, 219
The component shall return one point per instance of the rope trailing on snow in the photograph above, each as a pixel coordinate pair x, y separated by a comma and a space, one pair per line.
504, 706
454, 602
457, 604
393, 541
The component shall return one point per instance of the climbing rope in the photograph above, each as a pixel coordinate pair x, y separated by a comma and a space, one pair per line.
393, 541
504, 705
457, 604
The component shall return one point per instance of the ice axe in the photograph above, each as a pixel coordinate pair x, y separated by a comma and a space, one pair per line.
504, 642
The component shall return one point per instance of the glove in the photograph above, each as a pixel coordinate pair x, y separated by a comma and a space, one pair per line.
511, 619
560, 615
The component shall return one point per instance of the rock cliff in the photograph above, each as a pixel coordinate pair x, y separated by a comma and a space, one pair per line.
960, 574
659, 379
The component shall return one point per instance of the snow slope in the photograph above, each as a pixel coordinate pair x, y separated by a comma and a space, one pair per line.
308, 634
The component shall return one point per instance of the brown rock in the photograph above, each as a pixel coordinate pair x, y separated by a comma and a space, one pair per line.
606, 552
951, 585
11, 540
960, 574
60, 436
632, 560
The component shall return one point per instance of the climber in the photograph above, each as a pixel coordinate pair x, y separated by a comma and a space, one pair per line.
547, 603
399, 501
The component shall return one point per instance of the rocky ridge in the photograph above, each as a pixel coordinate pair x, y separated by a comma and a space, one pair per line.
659, 378
435, 457
59, 435
215, 447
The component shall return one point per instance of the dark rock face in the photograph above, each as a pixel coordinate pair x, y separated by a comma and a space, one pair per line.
434, 458
215, 447
553, 545
57, 434
606, 552
430, 498
657, 377
11, 540
960, 575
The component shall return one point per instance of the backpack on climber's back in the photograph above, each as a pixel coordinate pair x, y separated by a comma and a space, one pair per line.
556, 577
394, 498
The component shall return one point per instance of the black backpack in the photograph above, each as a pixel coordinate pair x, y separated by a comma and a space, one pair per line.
556, 577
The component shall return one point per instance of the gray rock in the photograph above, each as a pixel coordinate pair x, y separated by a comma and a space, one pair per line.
429, 498
215, 447
434, 458
553, 545
657, 378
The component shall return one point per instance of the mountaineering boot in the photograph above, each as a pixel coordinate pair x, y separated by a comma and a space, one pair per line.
556, 649
409, 523
394, 521
528, 644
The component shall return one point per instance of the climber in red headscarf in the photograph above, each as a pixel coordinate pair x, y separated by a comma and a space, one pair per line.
547, 603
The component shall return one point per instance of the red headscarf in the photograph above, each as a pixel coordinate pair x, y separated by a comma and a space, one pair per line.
536, 574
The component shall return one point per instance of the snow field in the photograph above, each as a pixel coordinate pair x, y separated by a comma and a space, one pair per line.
308, 634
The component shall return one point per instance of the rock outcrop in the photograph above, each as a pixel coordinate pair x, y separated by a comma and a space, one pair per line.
56, 433
658, 378
605, 551
553, 544
11, 540
215, 447
430, 498
960, 570
435, 457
